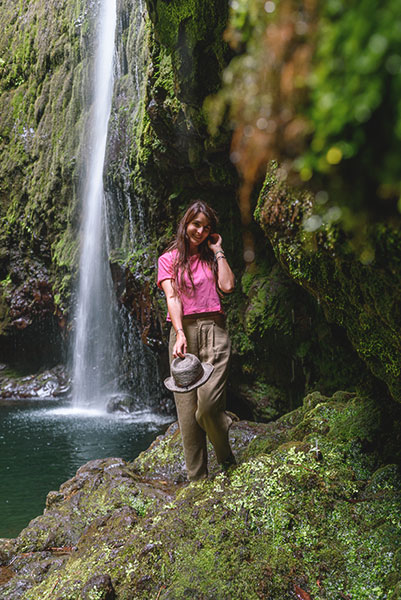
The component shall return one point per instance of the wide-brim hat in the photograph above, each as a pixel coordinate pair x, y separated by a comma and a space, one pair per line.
187, 374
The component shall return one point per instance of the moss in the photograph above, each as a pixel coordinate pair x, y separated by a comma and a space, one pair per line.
281, 339
41, 108
357, 296
4, 306
166, 157
306, 509
185, 25
65, 259
267, 401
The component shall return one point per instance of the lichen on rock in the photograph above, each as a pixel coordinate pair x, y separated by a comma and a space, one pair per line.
359, 297
312, 505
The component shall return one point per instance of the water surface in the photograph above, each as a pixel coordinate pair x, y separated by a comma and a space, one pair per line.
43, 443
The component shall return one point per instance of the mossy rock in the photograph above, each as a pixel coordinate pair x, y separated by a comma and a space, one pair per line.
358, 296
283, 345
289, 520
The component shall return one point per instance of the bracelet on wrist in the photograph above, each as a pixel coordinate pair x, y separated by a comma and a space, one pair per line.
222, 256
179, 329
219, 252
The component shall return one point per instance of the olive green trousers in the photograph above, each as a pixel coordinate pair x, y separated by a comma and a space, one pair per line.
201, 411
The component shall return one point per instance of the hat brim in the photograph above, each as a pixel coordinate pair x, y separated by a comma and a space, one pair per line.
207, 371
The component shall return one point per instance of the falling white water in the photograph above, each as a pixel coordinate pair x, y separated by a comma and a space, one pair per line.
95, 349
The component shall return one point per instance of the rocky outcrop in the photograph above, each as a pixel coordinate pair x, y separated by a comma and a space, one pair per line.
50, 383
312, 509
172, 156
357, 294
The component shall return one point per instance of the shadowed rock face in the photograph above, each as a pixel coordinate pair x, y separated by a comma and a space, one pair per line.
361, 298
159, 154
313, 505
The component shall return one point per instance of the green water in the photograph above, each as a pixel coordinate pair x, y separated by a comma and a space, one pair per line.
43, 443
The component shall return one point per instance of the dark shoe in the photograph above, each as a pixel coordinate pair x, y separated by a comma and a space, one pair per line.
229, 462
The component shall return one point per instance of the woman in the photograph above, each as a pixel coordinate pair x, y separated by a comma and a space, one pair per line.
191, 273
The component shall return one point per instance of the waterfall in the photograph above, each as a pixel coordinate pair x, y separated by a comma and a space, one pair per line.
95, 350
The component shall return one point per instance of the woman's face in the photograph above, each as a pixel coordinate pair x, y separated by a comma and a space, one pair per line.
198, 230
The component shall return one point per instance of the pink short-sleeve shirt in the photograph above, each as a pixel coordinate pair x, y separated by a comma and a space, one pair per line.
204, 298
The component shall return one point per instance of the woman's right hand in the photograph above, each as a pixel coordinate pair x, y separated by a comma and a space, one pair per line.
180, 346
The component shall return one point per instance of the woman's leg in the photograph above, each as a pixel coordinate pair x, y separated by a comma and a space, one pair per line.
215, 347
193, 436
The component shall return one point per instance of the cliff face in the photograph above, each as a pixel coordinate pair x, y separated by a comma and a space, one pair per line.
361, 298
160, 155
171, 158
42, 69
45, 102
282, 343
157, 127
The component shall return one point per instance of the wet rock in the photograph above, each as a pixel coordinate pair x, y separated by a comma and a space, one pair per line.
7, 549
21, 323
27, 570
165, 457
98, 488
5, 575
50, 383
120, 403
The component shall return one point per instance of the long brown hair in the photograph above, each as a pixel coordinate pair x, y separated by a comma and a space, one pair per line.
181, 244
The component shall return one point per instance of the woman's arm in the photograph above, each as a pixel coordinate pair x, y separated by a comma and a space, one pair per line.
175, 311
225, 277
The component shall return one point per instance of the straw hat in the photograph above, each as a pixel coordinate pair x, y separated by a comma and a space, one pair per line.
187, 374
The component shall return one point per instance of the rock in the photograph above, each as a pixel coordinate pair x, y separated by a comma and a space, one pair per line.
360, 297
99, 587
120, 403
165, 458
53, 498
49, 383
7, 549
5, 575
131, 530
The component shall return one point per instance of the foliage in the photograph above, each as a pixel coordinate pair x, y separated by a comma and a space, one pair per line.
317, 87
355, 89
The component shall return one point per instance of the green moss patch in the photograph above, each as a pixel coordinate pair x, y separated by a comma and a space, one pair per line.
355, 294
308, 510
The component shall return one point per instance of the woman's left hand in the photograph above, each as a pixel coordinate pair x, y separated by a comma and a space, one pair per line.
215, 242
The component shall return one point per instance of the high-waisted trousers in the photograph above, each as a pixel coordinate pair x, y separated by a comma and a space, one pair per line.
201, 411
